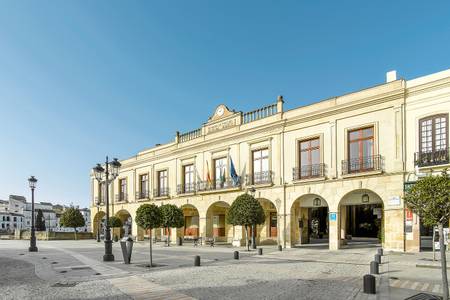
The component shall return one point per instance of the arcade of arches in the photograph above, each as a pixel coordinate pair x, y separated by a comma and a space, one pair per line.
354, 218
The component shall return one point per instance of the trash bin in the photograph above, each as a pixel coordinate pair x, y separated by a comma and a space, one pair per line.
126, 244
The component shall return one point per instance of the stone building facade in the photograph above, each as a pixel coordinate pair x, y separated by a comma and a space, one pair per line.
332, 172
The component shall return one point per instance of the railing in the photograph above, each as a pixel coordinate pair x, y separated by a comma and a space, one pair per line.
260, 113
259, 178
362, 164
121, 197
432, 158
185, 188
308, 171
96, 201
142, 195
163, 192
227, 183
190, 135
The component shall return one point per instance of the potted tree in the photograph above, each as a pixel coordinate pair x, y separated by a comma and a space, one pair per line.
115, 222
171, 217
72, 217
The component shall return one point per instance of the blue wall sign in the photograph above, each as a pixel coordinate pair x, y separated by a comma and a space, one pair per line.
333, 216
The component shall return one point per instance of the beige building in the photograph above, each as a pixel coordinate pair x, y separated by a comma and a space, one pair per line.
330, 173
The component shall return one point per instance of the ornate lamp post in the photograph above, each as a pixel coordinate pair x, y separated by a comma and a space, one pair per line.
253, 192
32, 182
107, 176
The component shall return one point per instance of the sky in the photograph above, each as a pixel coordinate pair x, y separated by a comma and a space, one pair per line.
80, 80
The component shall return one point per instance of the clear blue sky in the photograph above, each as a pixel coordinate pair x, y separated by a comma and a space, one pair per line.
82, 79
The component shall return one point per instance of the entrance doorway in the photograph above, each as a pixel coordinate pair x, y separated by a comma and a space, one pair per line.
361, 219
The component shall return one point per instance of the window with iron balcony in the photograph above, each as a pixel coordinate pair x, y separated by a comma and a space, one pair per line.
122, 196
361, 157
309, 160
143, 187
433, 141
261, 174
162, 189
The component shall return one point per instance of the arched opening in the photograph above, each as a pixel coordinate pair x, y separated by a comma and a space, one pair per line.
99, 224
216, 225
361, 219
309, 221
267, 233
191, 222
127, 224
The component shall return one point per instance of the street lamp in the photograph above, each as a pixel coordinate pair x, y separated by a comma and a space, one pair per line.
32, 182
317, 202
107, 176
365, 198
98, 221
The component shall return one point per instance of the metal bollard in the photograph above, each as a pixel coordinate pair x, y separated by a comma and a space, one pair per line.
280, 248
236, 254
180, 241
380, 251
374, 268
369, 284
197, 261
259, 251
378, 258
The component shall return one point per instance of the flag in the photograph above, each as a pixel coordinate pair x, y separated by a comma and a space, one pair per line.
233, 173
222, 176
208, 175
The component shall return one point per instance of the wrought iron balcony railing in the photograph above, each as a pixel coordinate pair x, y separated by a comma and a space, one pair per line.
186, 188
265, 177
432, 158
98, 201
121, 197
142, 195
362, 164
161, 192
308, 171
227, 183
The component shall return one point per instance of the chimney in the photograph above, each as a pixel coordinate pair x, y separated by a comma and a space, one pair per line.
391, 76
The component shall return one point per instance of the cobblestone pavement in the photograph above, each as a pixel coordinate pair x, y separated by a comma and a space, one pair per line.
74, 270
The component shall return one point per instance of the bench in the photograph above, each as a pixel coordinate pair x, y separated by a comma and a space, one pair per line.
194, 239
210, 241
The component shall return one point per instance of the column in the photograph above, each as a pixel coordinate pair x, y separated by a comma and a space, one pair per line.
202, 227
333, 224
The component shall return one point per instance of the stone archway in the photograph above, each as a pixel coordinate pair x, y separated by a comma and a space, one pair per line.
361, 222
127, 224
99, 222
267, 233
216, 225
191, 226
309, 220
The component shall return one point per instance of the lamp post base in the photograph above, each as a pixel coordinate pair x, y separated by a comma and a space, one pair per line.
108, 256
33, 249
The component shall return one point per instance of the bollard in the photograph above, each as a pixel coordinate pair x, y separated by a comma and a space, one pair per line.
374, 268
180, 241
369, 284
197, 261
378, 258
259, 251
280, 248
380, 251
236, 254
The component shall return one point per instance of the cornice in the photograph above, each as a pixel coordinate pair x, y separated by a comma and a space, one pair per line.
428, 87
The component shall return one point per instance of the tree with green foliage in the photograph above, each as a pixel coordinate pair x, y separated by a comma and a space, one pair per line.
246, 211
72, 217
115, 222
40, 221
171, 217
148, 216
429, 198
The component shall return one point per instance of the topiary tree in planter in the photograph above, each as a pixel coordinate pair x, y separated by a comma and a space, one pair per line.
115, 222
148, 216
246, 211
72, 217
429, 198
171, 217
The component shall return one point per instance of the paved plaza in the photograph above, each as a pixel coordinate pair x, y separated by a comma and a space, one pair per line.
74, 270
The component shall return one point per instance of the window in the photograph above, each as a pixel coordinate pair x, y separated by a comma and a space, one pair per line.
273, 224
261, 172
433, 134
101, 191
188, 174
361, 149
122, 189
162, 183
309, 158
220, 167
15, 219
143, 184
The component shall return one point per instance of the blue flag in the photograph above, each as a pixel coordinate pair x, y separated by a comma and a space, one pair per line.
233, 173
